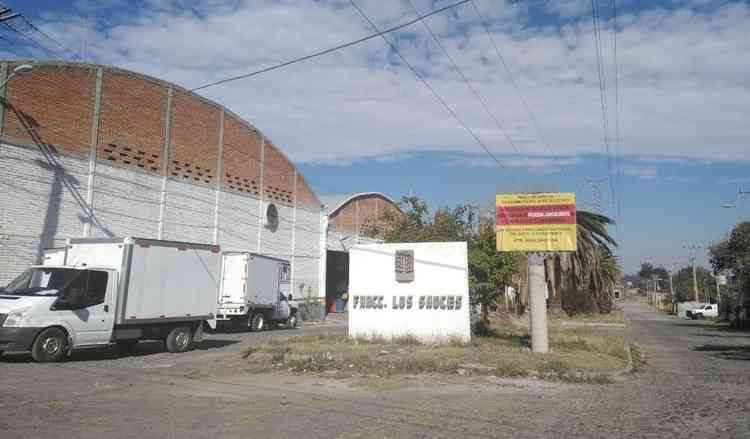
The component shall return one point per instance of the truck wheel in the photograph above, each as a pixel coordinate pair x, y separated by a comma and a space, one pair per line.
258, 322
291, 323
50, 345
179, 339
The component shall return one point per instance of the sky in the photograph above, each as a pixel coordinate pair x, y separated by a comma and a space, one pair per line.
359, 119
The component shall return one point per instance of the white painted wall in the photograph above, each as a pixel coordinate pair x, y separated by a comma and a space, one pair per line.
43, 202
440, 270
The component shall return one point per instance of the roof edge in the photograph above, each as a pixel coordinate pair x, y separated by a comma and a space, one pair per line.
358, 195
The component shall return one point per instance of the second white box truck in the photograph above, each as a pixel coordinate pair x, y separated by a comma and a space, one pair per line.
112, 291
254, 292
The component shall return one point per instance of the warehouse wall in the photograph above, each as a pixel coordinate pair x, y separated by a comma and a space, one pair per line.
99, 150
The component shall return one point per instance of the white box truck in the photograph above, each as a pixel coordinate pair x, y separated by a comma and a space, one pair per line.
254, 292
106, 291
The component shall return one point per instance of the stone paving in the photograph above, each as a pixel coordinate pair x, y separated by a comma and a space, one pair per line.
695, 384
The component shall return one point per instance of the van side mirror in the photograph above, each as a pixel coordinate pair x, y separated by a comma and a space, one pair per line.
289, 298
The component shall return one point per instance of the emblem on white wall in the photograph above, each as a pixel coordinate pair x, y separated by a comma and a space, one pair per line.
404, 266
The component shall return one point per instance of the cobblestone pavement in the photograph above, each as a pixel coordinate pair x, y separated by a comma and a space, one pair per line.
696, 384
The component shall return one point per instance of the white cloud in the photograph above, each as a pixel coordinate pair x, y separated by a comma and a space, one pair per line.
733, 180
683, 75
642, 172
533, 163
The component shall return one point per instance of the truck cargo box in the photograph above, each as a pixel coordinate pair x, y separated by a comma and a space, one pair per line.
252, 279
159, 280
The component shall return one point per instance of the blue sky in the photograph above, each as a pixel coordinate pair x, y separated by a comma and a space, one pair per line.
358, 120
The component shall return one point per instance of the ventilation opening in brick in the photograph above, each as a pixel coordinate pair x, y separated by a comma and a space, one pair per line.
278, 194
126, 156
239, 184
192, 172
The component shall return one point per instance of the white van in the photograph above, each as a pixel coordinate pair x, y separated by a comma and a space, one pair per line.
112, 291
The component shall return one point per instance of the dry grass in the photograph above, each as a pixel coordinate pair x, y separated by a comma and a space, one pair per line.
578, 355
616, 316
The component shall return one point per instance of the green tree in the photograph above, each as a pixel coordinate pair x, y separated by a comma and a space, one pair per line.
584, 279
733, 255
490, 271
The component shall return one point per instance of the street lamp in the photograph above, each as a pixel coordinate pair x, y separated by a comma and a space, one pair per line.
19, 69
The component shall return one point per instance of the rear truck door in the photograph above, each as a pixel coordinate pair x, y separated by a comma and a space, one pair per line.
92, 318
234, 279
282, 306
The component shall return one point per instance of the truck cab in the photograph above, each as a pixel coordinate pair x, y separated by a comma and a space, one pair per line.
51, 309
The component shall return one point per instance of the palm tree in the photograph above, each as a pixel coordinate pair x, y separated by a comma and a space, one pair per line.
592, 269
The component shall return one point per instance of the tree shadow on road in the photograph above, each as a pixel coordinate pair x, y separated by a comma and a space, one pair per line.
727, 352
738, 335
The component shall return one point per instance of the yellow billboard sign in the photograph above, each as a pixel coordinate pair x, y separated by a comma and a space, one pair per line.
536, 222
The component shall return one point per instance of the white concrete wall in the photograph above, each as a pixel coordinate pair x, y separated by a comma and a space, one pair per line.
43, 202
440, 271
189, 212
238, 222
307, 253
126, 203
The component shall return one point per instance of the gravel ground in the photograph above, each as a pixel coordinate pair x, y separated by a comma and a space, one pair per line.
696, 383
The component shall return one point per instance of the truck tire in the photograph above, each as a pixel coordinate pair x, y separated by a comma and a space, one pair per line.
291, 322
258, 322
50, 345
179, 340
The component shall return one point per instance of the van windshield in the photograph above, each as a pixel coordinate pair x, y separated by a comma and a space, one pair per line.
42, 281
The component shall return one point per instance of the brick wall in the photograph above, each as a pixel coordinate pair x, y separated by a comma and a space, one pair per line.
51, 105
352, 216
278, 177
241, 157
131, 127
194, 140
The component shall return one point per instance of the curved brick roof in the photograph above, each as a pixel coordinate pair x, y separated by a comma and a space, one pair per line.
130, 117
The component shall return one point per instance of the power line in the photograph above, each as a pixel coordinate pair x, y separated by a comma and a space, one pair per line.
429, 87
41, 32
618, 144
7, 14
466, 81
525, 104
602, 91
329, 50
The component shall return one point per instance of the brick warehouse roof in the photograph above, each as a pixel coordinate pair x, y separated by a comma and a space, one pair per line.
334, 202
56, 99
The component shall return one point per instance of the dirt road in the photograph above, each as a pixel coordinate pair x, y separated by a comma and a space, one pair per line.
696, 383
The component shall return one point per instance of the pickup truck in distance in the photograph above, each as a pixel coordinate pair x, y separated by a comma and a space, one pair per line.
703, 311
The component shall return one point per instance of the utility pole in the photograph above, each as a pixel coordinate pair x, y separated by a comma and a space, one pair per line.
671, 289
537, 304
695, 279
692, 249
